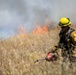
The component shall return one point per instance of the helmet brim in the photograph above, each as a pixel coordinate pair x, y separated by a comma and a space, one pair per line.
63, 25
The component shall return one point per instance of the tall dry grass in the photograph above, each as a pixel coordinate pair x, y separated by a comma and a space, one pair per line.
17, 54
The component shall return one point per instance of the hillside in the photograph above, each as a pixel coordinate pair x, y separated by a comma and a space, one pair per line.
17, 54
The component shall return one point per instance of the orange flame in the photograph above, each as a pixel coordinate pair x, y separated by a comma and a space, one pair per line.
21, 31
45, 28
40, 30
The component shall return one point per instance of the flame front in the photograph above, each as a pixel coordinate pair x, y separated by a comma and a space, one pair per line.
40, 30
21, 31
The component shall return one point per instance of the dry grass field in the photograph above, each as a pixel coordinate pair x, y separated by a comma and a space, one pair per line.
17, 55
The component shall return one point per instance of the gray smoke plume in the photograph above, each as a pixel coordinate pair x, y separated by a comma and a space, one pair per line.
28, 12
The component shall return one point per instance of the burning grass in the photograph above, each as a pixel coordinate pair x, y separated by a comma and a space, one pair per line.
17, 54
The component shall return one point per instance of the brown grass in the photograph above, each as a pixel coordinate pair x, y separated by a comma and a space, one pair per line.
17, 55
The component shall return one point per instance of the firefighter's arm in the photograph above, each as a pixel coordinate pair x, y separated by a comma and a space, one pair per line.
56, 47
73, 36
54, 52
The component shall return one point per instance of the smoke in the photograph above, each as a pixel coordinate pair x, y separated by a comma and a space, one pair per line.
28, 12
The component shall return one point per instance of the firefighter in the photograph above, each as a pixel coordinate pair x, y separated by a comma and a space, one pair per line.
67, 40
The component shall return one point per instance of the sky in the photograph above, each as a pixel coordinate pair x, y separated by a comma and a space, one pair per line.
14, 13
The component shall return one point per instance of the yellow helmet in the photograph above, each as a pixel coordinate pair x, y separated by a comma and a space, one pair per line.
64, 21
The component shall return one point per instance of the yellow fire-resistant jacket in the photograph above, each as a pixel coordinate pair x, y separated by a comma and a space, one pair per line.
73, 36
